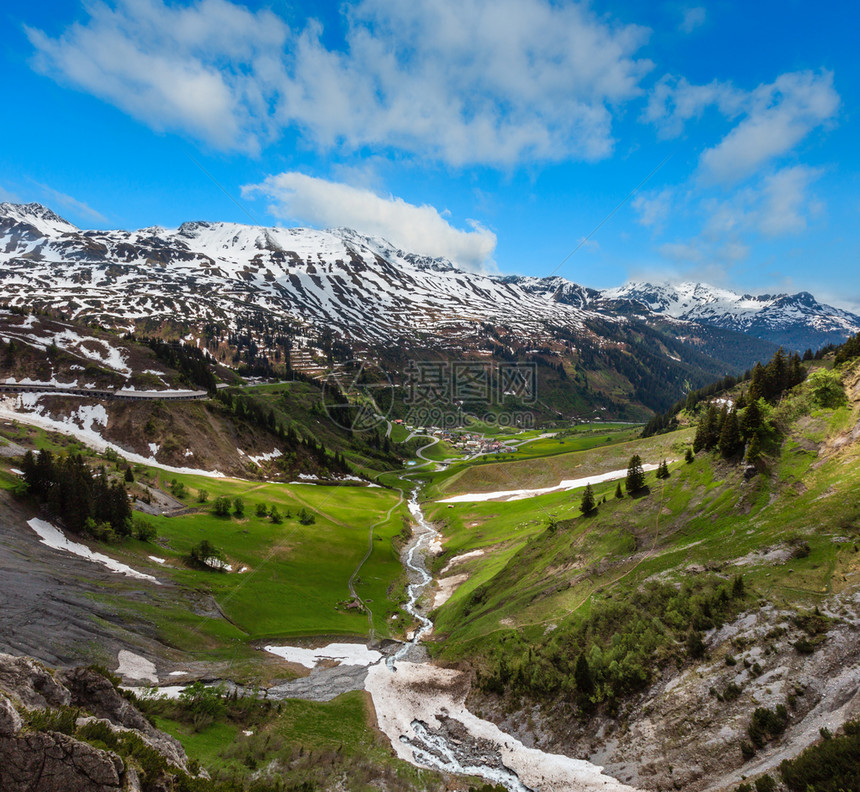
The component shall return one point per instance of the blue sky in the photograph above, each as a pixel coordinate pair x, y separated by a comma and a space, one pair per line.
498, 133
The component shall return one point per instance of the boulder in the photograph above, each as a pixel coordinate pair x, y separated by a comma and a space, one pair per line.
31, 683
10, 720
53, 762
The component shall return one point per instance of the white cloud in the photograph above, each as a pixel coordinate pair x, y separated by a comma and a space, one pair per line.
778, 204
472, 81
779, 116
415, 229
653, 207
774, 118
693, 18
205, 69
674, 101
78, 208
786, 205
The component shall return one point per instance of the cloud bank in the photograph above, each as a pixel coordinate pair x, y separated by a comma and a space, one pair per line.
477, 81
415, 229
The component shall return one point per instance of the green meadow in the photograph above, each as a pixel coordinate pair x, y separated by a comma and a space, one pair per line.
294, 578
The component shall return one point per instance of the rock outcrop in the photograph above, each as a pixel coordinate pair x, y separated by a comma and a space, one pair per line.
34, 757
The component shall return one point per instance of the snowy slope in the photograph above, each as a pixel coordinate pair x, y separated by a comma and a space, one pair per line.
796, 320
360, 288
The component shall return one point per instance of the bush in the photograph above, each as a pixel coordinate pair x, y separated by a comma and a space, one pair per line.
830, 766
221, 507
143, 529
306, 517
765, 784
767, 724
202, 705
202, 496
262, 510
61, 719
239, 508
275, 516
205, 554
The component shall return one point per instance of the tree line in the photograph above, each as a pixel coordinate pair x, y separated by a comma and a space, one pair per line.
87, 503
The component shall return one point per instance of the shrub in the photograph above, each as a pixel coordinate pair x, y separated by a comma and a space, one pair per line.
830, 766
767, 724
765, 784
221, 507
142, 529
205, 554
239, 508
202, 496
262, 510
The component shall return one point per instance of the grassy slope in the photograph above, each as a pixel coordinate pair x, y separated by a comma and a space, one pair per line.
603, 453
704, 515
297, 574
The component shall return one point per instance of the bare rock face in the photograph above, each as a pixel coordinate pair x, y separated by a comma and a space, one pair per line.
31, 683
53, 762
10, 720
48, 761
92, 692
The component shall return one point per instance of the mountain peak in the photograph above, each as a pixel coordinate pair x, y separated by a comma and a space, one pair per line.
37, 215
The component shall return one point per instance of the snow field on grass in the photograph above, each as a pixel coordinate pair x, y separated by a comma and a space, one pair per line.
10, 406
342, 653
54, 538
567, 484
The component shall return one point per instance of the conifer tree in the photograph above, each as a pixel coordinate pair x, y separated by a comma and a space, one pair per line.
753, 450
635, 475
730, 437
751, 420
618, 493
587, 504
689, 456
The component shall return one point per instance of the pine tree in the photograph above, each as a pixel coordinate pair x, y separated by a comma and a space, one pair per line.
583, 677
695, 644
689, 456
618, 493
753, 450
730, 438
587, 505
751, 420
663, 470
757, 387
635, 475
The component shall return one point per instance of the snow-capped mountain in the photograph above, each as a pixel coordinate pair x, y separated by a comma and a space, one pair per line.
362, 289
797, 321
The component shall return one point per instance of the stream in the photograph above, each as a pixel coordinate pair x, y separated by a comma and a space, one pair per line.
421, 708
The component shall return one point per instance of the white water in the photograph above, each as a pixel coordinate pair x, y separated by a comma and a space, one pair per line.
414, 590
414, 701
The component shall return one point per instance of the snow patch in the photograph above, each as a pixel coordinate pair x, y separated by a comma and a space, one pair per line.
54, 538
567, 484
133, 666
341, 653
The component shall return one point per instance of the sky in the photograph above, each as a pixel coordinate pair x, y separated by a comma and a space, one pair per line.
602, 142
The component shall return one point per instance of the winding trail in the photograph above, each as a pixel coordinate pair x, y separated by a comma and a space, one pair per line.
354, 575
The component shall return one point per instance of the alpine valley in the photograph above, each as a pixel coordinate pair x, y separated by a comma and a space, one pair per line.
311, 299
235, 557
